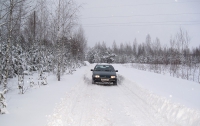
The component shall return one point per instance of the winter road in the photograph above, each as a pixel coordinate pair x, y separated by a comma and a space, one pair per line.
97, 105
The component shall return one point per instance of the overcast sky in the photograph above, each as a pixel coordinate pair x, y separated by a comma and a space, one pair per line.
125, 20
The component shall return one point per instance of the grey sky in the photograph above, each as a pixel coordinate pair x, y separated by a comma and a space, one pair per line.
125, 20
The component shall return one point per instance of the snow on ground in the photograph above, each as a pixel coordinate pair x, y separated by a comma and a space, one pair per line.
175, 99
31, 108
178, 90
140, 99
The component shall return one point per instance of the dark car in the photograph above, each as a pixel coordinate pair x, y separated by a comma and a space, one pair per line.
105, 74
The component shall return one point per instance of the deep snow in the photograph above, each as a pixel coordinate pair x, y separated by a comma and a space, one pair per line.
178, 90
141, 98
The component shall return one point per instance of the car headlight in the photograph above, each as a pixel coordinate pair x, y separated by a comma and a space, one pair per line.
97, 76
113, 77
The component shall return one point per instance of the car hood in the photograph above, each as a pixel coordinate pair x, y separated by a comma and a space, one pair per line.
104, 73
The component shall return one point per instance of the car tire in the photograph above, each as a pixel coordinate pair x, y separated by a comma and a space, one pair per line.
93, 81
115, 83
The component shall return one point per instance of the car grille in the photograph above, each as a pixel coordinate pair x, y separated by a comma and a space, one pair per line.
105, 76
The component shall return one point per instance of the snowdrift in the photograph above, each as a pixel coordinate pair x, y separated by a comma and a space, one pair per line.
175, 113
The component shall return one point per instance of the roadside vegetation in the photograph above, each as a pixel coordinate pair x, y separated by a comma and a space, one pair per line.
38, 37
35, 38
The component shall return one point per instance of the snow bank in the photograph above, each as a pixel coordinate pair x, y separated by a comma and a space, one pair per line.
178, 90
175, 99
174, 113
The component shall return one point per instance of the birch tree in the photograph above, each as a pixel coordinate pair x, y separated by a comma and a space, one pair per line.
64, 20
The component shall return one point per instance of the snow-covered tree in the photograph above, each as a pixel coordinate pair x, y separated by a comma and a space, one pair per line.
3, 103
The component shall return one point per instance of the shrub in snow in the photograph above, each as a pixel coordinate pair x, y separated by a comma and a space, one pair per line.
3, 104
4, 82
31, 82
21, 87
42, 79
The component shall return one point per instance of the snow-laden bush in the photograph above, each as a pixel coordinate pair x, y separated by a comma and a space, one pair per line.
3, 103
42, 79
21, 87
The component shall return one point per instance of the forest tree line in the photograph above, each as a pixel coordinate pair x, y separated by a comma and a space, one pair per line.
149, 52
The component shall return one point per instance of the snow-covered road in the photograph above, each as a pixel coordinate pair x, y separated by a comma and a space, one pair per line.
141, 98
99, 105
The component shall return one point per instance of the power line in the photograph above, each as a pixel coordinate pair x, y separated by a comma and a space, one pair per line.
103, 7
140, 15
144, 22
147, 24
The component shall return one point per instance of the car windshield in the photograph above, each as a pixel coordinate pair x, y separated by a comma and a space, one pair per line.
104, 68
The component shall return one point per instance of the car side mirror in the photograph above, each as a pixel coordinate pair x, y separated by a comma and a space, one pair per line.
92, 69
116, 70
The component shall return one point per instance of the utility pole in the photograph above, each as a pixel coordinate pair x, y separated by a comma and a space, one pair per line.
34, 26
58, 35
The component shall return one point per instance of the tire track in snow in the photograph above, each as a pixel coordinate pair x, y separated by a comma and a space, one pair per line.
95, 112
135, 95
136, 112
83, 106
112, 99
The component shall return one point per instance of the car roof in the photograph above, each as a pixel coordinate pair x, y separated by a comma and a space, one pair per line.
103, 65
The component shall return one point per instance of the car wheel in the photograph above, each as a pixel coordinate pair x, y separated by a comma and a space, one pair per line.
115, 83
93, 81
